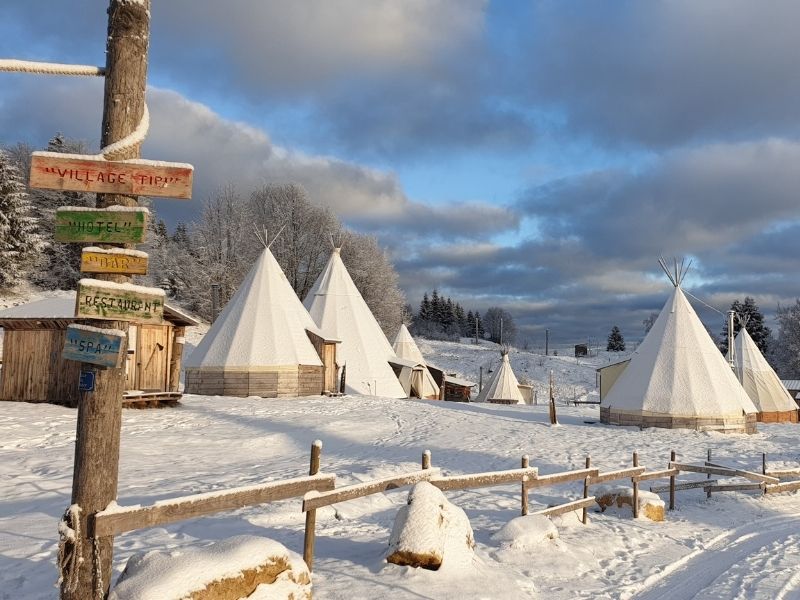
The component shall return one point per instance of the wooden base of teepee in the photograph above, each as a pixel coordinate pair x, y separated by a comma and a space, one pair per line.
267, 382
743, 424
783, 416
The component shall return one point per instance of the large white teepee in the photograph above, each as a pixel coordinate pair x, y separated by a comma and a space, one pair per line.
504, 387
339, 310
261, 330
761, 383
677, 378
406, 348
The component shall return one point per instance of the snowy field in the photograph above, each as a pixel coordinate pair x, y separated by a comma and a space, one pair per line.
732, 546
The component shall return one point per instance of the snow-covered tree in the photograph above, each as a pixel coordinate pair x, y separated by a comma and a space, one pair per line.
499, 325
786, 353
749, 313
20, 241
616, 343
649, 321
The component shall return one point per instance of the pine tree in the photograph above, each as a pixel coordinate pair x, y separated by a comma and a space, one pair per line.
20, 240
461, 319
616, 343
748, 313
481, 330
436, 307
424, 313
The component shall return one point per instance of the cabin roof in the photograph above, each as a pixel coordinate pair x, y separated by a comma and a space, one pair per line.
60, 310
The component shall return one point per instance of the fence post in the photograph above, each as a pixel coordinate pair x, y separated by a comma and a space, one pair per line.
763, 463
426, 459
525, 463
708, 493
311, 515
585, 516
635, 488
672, 458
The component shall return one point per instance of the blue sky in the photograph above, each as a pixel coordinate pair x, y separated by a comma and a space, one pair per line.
534, 155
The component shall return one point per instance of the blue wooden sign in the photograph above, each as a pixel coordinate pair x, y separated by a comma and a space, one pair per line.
93, 345
86, 382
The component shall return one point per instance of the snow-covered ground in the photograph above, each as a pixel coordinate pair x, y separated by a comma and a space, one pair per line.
731, 546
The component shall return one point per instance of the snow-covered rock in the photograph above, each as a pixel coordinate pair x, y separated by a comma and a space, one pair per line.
239, 567
526, 532
430, 532
650, 505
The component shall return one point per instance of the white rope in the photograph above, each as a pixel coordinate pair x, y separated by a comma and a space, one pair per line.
134, 138
70, 548
703, 303
45, 68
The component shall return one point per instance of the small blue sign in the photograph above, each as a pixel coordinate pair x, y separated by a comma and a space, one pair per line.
86, 382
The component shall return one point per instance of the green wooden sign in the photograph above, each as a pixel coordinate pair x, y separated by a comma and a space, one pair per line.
75, 224
92, 345
119, 302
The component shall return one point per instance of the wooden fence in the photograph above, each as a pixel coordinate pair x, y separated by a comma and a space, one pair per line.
318, 490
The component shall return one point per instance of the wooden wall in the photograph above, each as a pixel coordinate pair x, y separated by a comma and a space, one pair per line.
33, 370
273, 382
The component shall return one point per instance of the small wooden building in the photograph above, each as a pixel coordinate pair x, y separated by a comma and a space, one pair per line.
34, 371
451, 388
581, 350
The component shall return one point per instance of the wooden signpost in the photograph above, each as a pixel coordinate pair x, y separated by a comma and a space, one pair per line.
87, 173
120, 225
88, 344
98, 299
113, 260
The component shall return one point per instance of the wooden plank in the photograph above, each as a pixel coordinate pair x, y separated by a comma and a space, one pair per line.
119, 302
777, 488
662, 474
784, 473
87, 173
704, 469
552, 478
368, 488
688, 485
751, 475
110, 226
113, 260
734, 487
628, 473
122, 519
477, 480
565, 508
87, 344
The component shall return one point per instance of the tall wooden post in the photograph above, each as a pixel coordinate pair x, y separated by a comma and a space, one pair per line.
635, 488
524, 463
94, 483
311, 515
178, 341
708, 493
585, 515
672, 459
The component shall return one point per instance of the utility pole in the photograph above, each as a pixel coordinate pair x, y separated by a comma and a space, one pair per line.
731, 358
546, 342
501, 331
476, 329
94, 483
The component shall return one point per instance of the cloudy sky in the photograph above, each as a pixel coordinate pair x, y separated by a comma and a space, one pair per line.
534, 155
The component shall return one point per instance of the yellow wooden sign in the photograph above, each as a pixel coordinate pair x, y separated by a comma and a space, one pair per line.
113, 260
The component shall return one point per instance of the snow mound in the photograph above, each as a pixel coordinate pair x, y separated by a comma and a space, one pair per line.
651, 506
526, 532
232, 568
430, 532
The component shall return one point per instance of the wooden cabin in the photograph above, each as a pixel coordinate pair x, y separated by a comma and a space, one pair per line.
451, 388
34, 370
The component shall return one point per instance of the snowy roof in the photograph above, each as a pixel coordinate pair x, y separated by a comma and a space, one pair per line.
63, 307
678, 371
791, 384
758, 379
503, 386
264, 324
337, 307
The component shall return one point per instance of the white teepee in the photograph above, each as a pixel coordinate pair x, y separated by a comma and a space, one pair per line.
677, 378
260, 340
504, 387
405, 347
761, 382
339, 310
